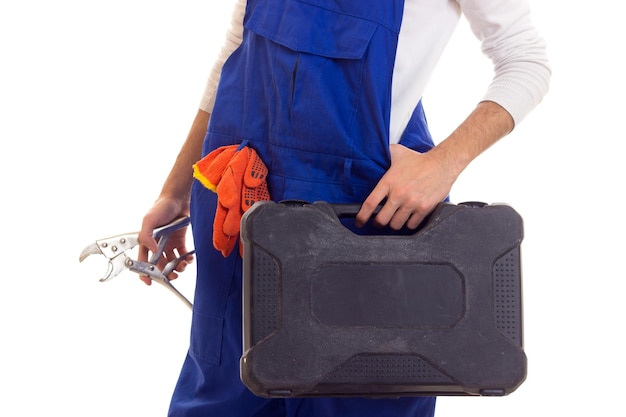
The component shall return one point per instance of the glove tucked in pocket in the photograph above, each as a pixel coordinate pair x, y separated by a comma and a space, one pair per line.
238, 176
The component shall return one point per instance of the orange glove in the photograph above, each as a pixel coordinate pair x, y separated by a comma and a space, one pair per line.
239, 179
226, 226
209, 170
254, 182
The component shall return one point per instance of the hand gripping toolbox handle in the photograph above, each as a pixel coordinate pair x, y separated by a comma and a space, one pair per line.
343, 210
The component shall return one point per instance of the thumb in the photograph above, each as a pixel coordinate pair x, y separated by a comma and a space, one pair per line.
147, 244
145, 235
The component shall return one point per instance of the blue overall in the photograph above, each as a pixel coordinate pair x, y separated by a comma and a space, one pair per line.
309, 88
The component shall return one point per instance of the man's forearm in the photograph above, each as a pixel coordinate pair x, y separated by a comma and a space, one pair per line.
483, 127
180, 178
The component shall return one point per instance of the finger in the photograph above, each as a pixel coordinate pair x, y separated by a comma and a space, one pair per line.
147, 243
415, 220
145, 236
142, 256
386, 214
378, 194
399, 218
186, 257
184, 263
181, 264
172, 276
171, 256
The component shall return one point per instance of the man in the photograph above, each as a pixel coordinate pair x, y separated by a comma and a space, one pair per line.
328, 93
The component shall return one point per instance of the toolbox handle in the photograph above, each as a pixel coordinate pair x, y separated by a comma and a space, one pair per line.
340, 209
351, 210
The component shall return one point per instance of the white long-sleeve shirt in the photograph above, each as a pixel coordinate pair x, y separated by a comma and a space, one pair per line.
521, 68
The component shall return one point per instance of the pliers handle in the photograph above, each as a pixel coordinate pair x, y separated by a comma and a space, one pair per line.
115, 247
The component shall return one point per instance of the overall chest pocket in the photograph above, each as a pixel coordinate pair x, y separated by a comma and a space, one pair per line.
318, 56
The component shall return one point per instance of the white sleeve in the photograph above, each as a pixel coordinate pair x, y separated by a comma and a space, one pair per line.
521, 68
234, 36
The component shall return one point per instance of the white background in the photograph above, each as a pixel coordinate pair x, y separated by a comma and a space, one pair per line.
95, 101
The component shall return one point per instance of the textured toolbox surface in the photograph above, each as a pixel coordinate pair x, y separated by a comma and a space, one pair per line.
328, 312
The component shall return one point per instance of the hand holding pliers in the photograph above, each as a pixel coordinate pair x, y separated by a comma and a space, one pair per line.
114, 248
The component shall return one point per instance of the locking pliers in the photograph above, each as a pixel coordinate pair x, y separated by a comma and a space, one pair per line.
114, 248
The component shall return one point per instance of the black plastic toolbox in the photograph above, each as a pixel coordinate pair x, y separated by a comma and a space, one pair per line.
328, 312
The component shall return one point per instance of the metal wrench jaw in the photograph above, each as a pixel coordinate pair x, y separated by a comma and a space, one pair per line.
116, 266
89, 250
112, 248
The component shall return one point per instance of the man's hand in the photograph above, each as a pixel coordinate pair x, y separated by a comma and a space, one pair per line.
164, 211
415, 182
412, 187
